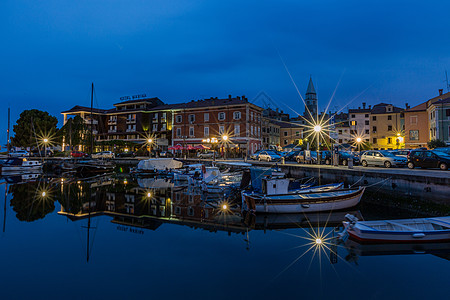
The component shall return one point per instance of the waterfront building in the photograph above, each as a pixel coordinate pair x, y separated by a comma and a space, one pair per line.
439, 118
132, 121
270, 133
290, 133
359, 122
232, 124
386, 127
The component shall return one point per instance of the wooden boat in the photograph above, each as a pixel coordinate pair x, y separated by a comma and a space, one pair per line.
17, 165
302, 202
399, 231
156, 165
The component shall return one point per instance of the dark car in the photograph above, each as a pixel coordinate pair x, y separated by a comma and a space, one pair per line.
78, 154
344, 157
290, 156
126, 154
42, 153
428, 159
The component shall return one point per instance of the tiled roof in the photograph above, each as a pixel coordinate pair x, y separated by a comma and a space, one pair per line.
78, 108
204, 103
420, 107
381, 109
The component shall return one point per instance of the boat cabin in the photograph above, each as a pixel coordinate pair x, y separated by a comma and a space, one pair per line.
275, 186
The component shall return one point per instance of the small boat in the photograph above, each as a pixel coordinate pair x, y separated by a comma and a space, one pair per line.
155, 165
302, 202
399, 231
16, 165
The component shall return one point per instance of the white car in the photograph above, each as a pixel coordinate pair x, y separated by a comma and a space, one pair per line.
103, 154
19, 153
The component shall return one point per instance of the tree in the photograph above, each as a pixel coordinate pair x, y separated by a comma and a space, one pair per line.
436, 143
74, 132
33, 124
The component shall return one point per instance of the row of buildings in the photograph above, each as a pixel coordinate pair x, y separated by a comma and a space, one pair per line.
245, 127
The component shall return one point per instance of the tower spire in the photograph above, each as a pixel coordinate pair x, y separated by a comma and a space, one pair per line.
311, 99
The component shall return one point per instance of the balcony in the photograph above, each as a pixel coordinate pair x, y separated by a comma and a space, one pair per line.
131, 130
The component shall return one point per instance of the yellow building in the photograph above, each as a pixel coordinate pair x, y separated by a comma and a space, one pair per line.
387, 127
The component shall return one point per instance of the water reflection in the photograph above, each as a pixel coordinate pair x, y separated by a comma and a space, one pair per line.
139, 204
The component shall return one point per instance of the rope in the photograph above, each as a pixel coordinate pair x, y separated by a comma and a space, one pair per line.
358, 180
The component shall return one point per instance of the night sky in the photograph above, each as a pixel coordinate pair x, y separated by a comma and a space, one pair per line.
390, 51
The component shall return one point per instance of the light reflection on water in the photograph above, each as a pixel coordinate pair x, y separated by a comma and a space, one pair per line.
143, 228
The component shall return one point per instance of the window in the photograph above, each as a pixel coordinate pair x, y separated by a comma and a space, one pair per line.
414, 135
297, 133
285, 142
206, 117
285, 133
259, 131
164, 117
367, 131
389, 118
191, 131
178, 132
191, 119
374, 140
221, 116
206, 131
374, 118
354, 123
353, 116
366, 122
366, 115
389, 140
221, 129
340, 141
389, 127
413, 120
251, 116
237, 115
251, 130
155, 127
237, 130
340, 132
179, 118
447, 112
155, 116
374, 128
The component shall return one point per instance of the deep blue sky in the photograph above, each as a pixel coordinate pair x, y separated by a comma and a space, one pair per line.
395, 51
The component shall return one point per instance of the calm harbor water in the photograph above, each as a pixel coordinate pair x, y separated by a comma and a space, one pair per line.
119, 237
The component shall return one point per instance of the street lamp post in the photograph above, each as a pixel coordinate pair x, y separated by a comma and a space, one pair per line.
317, 129
225, 139
45, 147
358, 142
150, 141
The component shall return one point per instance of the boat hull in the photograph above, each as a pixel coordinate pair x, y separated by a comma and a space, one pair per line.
304, 203
363, 233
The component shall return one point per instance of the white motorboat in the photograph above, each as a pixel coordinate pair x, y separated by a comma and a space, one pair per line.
299, 203
397, 231
154, 165
15, 164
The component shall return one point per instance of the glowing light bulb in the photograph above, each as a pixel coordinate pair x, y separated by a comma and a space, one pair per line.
317, 128
149, 195
224, 207
358, 140
45, 140
43, 194
318, 241
225, 137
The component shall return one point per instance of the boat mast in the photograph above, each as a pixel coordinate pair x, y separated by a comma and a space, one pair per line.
8, 146
92, 121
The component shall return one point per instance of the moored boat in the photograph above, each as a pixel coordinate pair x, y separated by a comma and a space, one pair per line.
155, 165
94, 166
399, 231
302, 202
15, 164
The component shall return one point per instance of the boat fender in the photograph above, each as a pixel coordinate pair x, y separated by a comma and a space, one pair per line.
418, 235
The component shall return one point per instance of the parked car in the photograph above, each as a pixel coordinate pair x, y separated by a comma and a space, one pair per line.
428, 159
126, 154
442, 149
255, 155
291, 156
382, 158
303, 158
42, 153
207, 154
402, 152
166, 154
268, 155
103, 154
78, 154
19, 153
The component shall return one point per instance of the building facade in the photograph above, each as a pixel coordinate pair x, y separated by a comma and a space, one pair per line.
387, 127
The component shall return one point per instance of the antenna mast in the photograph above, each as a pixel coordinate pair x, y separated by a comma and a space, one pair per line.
446, 80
